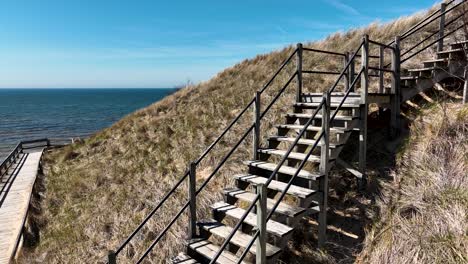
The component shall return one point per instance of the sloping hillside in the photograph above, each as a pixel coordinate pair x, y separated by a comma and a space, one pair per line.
99, 190
423, 212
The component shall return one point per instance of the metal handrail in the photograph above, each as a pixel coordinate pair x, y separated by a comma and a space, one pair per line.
325, 52
203, 155
408, 32
428, 21
286, 156
432, 43
430, 36
302, 164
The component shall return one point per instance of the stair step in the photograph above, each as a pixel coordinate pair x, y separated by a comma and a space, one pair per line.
459, 42
435, 60
314, 105
208, 250
301, 141
292, 155
334, 94
183, 258
423, 69
314, 128
409, 78
273, 227
294, 190
283, 169
319, 116
450, 51
283, 208
239, 239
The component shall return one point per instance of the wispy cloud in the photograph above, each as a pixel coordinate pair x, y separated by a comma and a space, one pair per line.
343, 7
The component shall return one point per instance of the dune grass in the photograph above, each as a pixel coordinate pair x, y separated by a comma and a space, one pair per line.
423, 213
99, 190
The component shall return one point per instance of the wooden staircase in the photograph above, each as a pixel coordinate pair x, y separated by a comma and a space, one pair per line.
287, 177
304, 197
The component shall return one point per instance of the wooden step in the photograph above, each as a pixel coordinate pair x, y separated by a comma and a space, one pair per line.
301, 141
282, 209
239, 239
283, 169
423, 69
208, 250
334, 94
293, 190
314, 105
314, 128
319, 116
435, 60
450, 51
292, 155
183, 258
275, 228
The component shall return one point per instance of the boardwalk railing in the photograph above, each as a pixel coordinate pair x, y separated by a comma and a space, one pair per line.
350, 79
19, 148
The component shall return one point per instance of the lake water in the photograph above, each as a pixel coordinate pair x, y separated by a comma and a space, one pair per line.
65, 113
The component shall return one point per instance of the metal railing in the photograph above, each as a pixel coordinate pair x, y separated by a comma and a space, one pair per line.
323, 137
17, 150
112, 255
350, 79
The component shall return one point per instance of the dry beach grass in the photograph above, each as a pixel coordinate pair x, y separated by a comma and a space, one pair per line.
99, 190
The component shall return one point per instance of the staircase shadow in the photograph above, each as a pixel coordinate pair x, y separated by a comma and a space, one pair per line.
350, 210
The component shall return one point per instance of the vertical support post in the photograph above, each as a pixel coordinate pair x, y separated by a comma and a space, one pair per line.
192, 199
440, 45
396, 90
351, 71
347, 75
111, 257
363, 112
256, 134
381, 66
465, 87
324, 168
261, 224
299, 72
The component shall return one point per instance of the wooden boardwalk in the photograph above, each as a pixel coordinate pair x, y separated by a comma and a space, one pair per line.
17, 188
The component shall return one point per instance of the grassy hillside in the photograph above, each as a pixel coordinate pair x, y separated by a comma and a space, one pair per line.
424, 211
100, 189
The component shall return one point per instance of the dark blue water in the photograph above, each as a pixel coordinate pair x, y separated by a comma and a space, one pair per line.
66, 113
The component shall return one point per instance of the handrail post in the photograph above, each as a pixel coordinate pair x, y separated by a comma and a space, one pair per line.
111, 257
395, 104
347, 75
324, 168
440, 45
381, 66
261, 224
299, 73
256, 133
363, 112
192, 199
351, 71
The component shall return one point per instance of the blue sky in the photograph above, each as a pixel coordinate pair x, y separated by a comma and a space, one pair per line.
150, 43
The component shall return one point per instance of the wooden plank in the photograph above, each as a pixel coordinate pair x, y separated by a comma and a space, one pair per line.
283, 169
273, 227
301, 141
209, 250
239, 239
277, 185
319, 116
183, 258
292, 155
283, 208
13, 210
